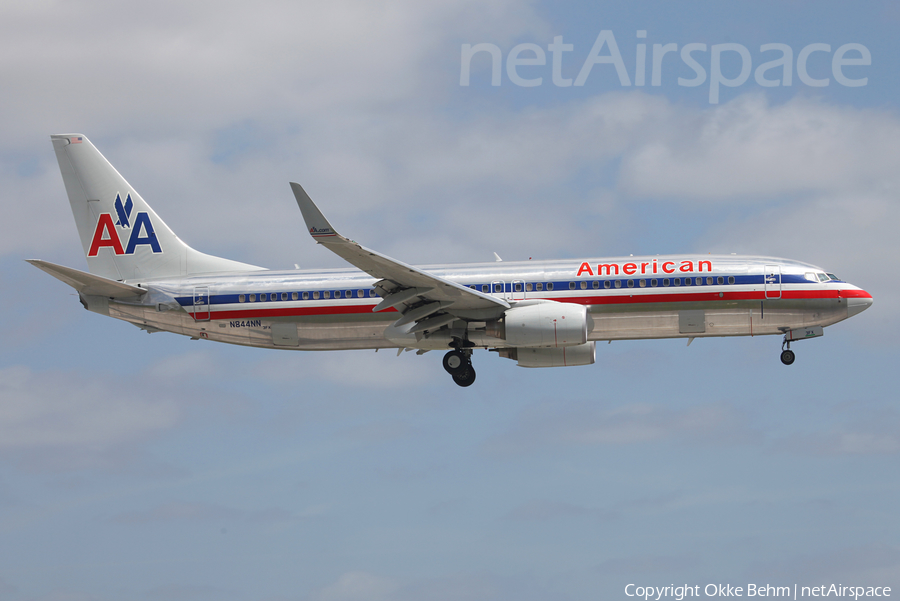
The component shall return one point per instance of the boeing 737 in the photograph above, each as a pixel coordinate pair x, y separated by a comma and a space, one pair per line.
537, 313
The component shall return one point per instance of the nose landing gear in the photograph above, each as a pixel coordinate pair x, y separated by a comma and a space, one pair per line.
458, 363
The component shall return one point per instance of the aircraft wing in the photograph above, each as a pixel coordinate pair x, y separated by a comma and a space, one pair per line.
88, 283
414, 292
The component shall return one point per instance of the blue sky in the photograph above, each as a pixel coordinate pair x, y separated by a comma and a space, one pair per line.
144, 467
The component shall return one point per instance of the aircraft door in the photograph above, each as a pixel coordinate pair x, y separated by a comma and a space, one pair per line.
772, 281
201, 303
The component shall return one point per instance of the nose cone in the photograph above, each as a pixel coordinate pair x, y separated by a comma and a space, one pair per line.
861, 301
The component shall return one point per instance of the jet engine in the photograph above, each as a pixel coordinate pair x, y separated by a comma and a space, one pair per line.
543, 324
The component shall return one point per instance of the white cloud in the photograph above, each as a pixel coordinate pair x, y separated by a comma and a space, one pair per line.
749, 149
171, 66
52, 410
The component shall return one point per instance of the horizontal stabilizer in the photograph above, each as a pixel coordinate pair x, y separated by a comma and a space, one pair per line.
88, 283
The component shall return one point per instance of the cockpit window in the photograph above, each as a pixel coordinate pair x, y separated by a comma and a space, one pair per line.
833, 277
810, 276
822, 277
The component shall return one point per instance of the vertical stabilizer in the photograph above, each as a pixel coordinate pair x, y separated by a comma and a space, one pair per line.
123, 238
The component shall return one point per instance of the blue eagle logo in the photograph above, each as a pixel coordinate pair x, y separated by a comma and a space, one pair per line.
124, 212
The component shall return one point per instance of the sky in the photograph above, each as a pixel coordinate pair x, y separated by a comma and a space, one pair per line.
144, 467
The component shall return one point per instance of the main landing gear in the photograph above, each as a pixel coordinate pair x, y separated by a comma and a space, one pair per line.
787, 355
458, 363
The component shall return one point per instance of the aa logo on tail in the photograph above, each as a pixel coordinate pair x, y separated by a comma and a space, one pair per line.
106, 233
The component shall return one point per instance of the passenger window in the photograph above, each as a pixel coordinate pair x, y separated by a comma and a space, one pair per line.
316, 295
709, 281
618, 283
643, 283
519, 287
687, 281
571, 285
539, 286
665, 281
606, 283
720, 280
294, 296
252, 297
284, 296
731, 279
498, 287
584, 285
699, 281
527, 287
677, 281
484, 288
241, 298
549, 285
653, 283
306, 296
631, 283
595, 285
326, 294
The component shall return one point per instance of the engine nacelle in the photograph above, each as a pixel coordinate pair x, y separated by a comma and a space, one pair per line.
582, 354
546, 324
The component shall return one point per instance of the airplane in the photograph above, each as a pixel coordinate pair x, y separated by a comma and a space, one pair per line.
537, 313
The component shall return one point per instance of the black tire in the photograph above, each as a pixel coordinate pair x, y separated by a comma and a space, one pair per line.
466, 378
787, 357
455, 362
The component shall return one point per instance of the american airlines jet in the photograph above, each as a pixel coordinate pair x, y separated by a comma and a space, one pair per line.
537, 313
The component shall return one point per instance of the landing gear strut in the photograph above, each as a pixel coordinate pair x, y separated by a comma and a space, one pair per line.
458, 363
787, 355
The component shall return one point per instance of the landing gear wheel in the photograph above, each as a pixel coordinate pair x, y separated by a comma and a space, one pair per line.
466, 378
456, 362
787, 357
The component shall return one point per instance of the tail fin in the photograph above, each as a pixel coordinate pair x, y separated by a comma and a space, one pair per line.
123, 238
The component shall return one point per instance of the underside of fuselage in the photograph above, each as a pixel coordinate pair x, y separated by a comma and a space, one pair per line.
610, 322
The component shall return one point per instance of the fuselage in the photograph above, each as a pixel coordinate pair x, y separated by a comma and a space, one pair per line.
627, 297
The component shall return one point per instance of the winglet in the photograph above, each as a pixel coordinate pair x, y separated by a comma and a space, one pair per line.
318, 226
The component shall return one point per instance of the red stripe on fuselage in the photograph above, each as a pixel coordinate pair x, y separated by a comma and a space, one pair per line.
620, 299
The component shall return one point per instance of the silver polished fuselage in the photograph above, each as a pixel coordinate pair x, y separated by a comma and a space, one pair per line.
628, 298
